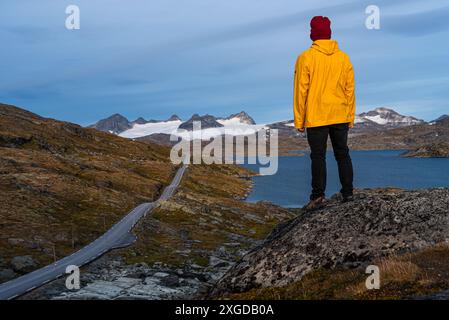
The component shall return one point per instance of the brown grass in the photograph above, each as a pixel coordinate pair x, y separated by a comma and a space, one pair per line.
414, 274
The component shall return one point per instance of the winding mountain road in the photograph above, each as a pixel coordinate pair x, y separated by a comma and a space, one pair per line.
118, 236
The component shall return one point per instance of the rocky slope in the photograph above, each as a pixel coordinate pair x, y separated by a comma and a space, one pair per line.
440, 118
377, 224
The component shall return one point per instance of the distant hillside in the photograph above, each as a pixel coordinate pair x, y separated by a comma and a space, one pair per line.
378, 119
407, 137
441, 118
433, 150
381, 128
62, 185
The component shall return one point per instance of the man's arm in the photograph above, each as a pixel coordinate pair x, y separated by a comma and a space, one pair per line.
350, 93
300, 92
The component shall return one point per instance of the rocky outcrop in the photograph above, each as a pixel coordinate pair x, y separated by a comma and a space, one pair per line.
110, 278
434, 150
377, 223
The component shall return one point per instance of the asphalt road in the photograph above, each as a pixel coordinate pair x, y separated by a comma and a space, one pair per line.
118, 236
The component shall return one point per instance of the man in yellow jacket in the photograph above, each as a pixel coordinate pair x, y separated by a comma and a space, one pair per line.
324, 104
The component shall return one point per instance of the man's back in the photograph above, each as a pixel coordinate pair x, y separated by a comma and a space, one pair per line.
324, 103
324, 86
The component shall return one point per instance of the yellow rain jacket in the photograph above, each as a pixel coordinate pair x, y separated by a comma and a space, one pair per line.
323, 86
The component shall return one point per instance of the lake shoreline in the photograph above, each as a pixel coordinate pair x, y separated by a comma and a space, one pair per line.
290, 186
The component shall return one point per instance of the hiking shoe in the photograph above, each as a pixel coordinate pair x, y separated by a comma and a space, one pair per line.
347, 199
315, 204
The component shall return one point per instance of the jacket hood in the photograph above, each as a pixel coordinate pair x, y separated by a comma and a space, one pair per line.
328, 47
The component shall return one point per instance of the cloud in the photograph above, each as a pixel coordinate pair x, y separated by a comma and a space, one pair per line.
148, 59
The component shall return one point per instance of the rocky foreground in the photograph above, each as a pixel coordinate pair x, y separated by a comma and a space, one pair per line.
379, 223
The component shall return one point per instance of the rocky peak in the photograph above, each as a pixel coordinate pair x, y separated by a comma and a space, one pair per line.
242, 116
174, 117
387, 117
139, 120
113, 124
207, 121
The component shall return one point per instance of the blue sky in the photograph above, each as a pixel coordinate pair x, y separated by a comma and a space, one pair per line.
154, 58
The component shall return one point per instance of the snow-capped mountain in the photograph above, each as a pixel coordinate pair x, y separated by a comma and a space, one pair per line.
235, 124
240, 124
377, 119
237, 118
149, 128
387, 117
117, 123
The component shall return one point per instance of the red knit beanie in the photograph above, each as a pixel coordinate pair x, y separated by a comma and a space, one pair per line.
320, 28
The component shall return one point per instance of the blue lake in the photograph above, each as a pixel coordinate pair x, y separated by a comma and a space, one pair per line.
290, 186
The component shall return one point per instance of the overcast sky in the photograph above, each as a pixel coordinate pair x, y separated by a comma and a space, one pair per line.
155, 58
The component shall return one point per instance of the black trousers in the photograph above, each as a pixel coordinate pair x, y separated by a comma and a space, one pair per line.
317, 138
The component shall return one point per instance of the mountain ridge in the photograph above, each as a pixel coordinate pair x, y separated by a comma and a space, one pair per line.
378, 119
118, 123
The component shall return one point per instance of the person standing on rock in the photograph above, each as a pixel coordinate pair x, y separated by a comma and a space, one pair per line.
324, 104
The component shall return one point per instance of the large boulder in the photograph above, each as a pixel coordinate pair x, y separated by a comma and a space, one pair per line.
347, 235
